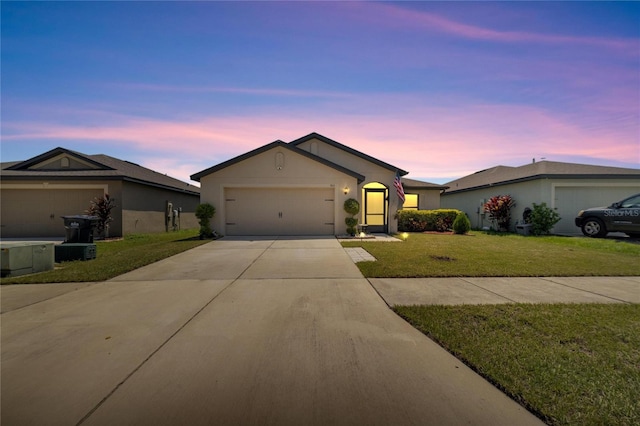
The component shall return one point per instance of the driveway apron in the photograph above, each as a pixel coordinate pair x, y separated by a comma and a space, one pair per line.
238, 331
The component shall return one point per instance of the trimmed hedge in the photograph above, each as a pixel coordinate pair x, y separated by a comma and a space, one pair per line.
426, 220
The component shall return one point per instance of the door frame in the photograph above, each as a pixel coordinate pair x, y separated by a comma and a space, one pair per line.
385, 214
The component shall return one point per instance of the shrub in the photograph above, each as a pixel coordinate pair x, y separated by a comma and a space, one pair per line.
101, 207
499, 210
352, 207
461, 225
543, 219
204, 213
351, 222
426, 220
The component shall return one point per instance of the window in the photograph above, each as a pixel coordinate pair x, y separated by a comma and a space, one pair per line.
410, 202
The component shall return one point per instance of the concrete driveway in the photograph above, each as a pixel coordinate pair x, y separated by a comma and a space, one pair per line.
238, 331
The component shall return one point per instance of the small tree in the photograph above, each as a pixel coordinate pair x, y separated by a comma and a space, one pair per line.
352, 207
461, 225
101, 208
204, 213
543, 219
499, 210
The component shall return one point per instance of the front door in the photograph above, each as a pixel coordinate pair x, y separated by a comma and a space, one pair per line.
375, 209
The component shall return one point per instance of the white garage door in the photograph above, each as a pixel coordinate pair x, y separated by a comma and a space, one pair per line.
571, 199
279, 211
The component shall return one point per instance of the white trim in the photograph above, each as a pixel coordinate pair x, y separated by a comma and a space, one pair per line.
277, 185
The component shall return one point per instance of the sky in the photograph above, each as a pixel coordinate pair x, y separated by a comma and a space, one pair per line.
439, 89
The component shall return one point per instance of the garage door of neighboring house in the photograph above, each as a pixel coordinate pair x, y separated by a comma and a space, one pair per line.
279, 211
569, 200
33, 213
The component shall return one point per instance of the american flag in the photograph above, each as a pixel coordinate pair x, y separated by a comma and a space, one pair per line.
398, 184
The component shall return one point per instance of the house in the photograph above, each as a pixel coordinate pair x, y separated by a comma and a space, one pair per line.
299, 188
60, 182
565, 187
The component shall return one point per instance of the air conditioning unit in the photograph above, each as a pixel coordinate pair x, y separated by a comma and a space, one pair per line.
75, 251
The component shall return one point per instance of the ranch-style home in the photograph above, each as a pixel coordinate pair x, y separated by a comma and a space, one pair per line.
299, 188
565, 187
37, 192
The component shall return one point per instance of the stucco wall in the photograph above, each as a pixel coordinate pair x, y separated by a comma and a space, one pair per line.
141, 222
568, 196
144, 208
428, 199
262, 170
371, 171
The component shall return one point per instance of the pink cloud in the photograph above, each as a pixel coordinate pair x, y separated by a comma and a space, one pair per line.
447, 141
233, 90
390, 14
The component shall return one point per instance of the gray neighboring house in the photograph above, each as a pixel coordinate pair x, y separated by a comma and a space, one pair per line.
60, 182
566, 187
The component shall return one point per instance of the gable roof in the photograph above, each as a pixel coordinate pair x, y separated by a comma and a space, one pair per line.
272, 145
345, 148
38, 159
418, 184
503, 175
102, 167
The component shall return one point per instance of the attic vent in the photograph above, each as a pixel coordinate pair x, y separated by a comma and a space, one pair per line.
279, 161
65, 163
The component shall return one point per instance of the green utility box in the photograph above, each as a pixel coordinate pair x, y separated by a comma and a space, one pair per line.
26, 257
75, 251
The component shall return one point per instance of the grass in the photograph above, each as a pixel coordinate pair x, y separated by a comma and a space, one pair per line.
569, 364
485, 255
114, 258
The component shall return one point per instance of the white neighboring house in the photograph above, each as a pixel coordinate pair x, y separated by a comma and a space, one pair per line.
299, 188
565, 187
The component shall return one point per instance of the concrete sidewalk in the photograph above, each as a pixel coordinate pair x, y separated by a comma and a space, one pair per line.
238, 331
475, 291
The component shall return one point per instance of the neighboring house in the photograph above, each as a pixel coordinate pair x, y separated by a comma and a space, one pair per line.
565, 187
299, 188
60, 182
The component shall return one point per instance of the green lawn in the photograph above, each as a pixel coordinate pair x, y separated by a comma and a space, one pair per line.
482, 255
114, 258
569, 364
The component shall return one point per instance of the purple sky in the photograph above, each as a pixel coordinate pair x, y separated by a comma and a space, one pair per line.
441, 89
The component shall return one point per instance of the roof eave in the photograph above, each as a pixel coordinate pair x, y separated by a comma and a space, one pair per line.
52, 153
545, 176
350, 150
197, 176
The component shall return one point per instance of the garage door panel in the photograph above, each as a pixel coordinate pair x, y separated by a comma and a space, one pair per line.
36, 212
571, 199
279, 211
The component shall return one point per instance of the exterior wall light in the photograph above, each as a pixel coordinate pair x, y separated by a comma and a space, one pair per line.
345, 190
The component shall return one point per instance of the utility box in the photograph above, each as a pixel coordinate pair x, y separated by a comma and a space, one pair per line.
26, 257
78, 251
524, 229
